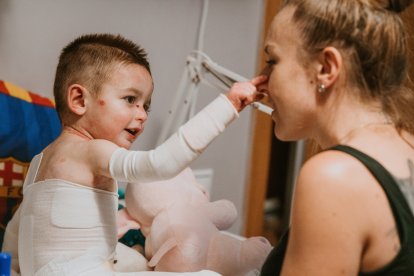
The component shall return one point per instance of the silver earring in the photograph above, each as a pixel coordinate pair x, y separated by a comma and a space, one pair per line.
321, 88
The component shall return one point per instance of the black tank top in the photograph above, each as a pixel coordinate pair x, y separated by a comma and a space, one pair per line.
403, 263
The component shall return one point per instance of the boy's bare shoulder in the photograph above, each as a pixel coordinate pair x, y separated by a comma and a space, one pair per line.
97, 155
101, 148
102, 143
91, 153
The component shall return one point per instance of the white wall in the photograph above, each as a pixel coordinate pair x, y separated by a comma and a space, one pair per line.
32, 33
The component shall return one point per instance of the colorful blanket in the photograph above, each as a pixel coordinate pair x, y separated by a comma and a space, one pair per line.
28, 123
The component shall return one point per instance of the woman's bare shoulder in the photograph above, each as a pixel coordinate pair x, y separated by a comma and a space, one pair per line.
335, 187
328, 225
332, 166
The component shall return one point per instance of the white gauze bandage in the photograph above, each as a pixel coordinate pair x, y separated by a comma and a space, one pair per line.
179, 150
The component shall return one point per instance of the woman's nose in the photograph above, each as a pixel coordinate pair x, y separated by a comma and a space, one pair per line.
266, 71
263, 87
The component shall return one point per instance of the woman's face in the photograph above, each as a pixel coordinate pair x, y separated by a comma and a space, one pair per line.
291, 87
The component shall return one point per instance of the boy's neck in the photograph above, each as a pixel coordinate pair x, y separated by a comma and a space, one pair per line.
72, 130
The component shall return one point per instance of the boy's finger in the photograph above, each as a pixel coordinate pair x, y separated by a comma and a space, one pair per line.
258, 80
259, 96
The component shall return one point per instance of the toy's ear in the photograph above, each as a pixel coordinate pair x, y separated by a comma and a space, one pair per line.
76, 98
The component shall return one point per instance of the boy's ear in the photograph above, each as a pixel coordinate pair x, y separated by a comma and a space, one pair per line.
76, 98
330, 65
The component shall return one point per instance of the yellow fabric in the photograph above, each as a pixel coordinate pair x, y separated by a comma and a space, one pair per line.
18, 92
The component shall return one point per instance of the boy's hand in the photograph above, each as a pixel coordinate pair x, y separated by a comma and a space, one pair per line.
241, 94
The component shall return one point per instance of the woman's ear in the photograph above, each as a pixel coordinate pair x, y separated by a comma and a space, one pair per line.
76, 98
330, 65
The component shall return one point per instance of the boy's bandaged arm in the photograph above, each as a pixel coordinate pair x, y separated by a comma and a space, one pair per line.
179, 150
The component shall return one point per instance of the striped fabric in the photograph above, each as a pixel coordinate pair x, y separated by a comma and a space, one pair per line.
17, 92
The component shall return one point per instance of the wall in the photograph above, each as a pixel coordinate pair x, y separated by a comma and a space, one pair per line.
32, 33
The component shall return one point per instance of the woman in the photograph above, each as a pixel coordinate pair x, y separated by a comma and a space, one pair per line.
336, 74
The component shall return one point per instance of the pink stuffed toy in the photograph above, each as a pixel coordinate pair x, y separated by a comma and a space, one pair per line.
183, 228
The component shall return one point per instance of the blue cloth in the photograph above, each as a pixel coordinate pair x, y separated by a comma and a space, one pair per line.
26, 128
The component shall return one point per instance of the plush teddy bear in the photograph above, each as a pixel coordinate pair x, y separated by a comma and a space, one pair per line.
183, 229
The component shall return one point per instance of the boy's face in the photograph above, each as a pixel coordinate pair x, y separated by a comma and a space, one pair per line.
119, 111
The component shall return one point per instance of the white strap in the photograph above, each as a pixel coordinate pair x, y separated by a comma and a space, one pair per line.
32, 172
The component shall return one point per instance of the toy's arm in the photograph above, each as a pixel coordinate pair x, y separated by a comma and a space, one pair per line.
222, 213
179, 150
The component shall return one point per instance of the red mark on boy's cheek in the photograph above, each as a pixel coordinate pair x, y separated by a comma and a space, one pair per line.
101, 102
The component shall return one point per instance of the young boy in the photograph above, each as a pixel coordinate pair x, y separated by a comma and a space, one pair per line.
66, 224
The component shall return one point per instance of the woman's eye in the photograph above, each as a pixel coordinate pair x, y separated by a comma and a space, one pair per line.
270, 62
147, 108
130, 99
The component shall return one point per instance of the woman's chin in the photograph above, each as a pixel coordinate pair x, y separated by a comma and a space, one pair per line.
282, 135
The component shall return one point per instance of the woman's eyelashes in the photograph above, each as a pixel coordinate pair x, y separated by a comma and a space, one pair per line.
267, 70
271, 62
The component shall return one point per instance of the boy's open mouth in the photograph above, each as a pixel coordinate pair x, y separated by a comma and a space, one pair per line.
132, 131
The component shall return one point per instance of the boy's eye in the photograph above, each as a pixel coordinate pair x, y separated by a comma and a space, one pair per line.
130, 99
